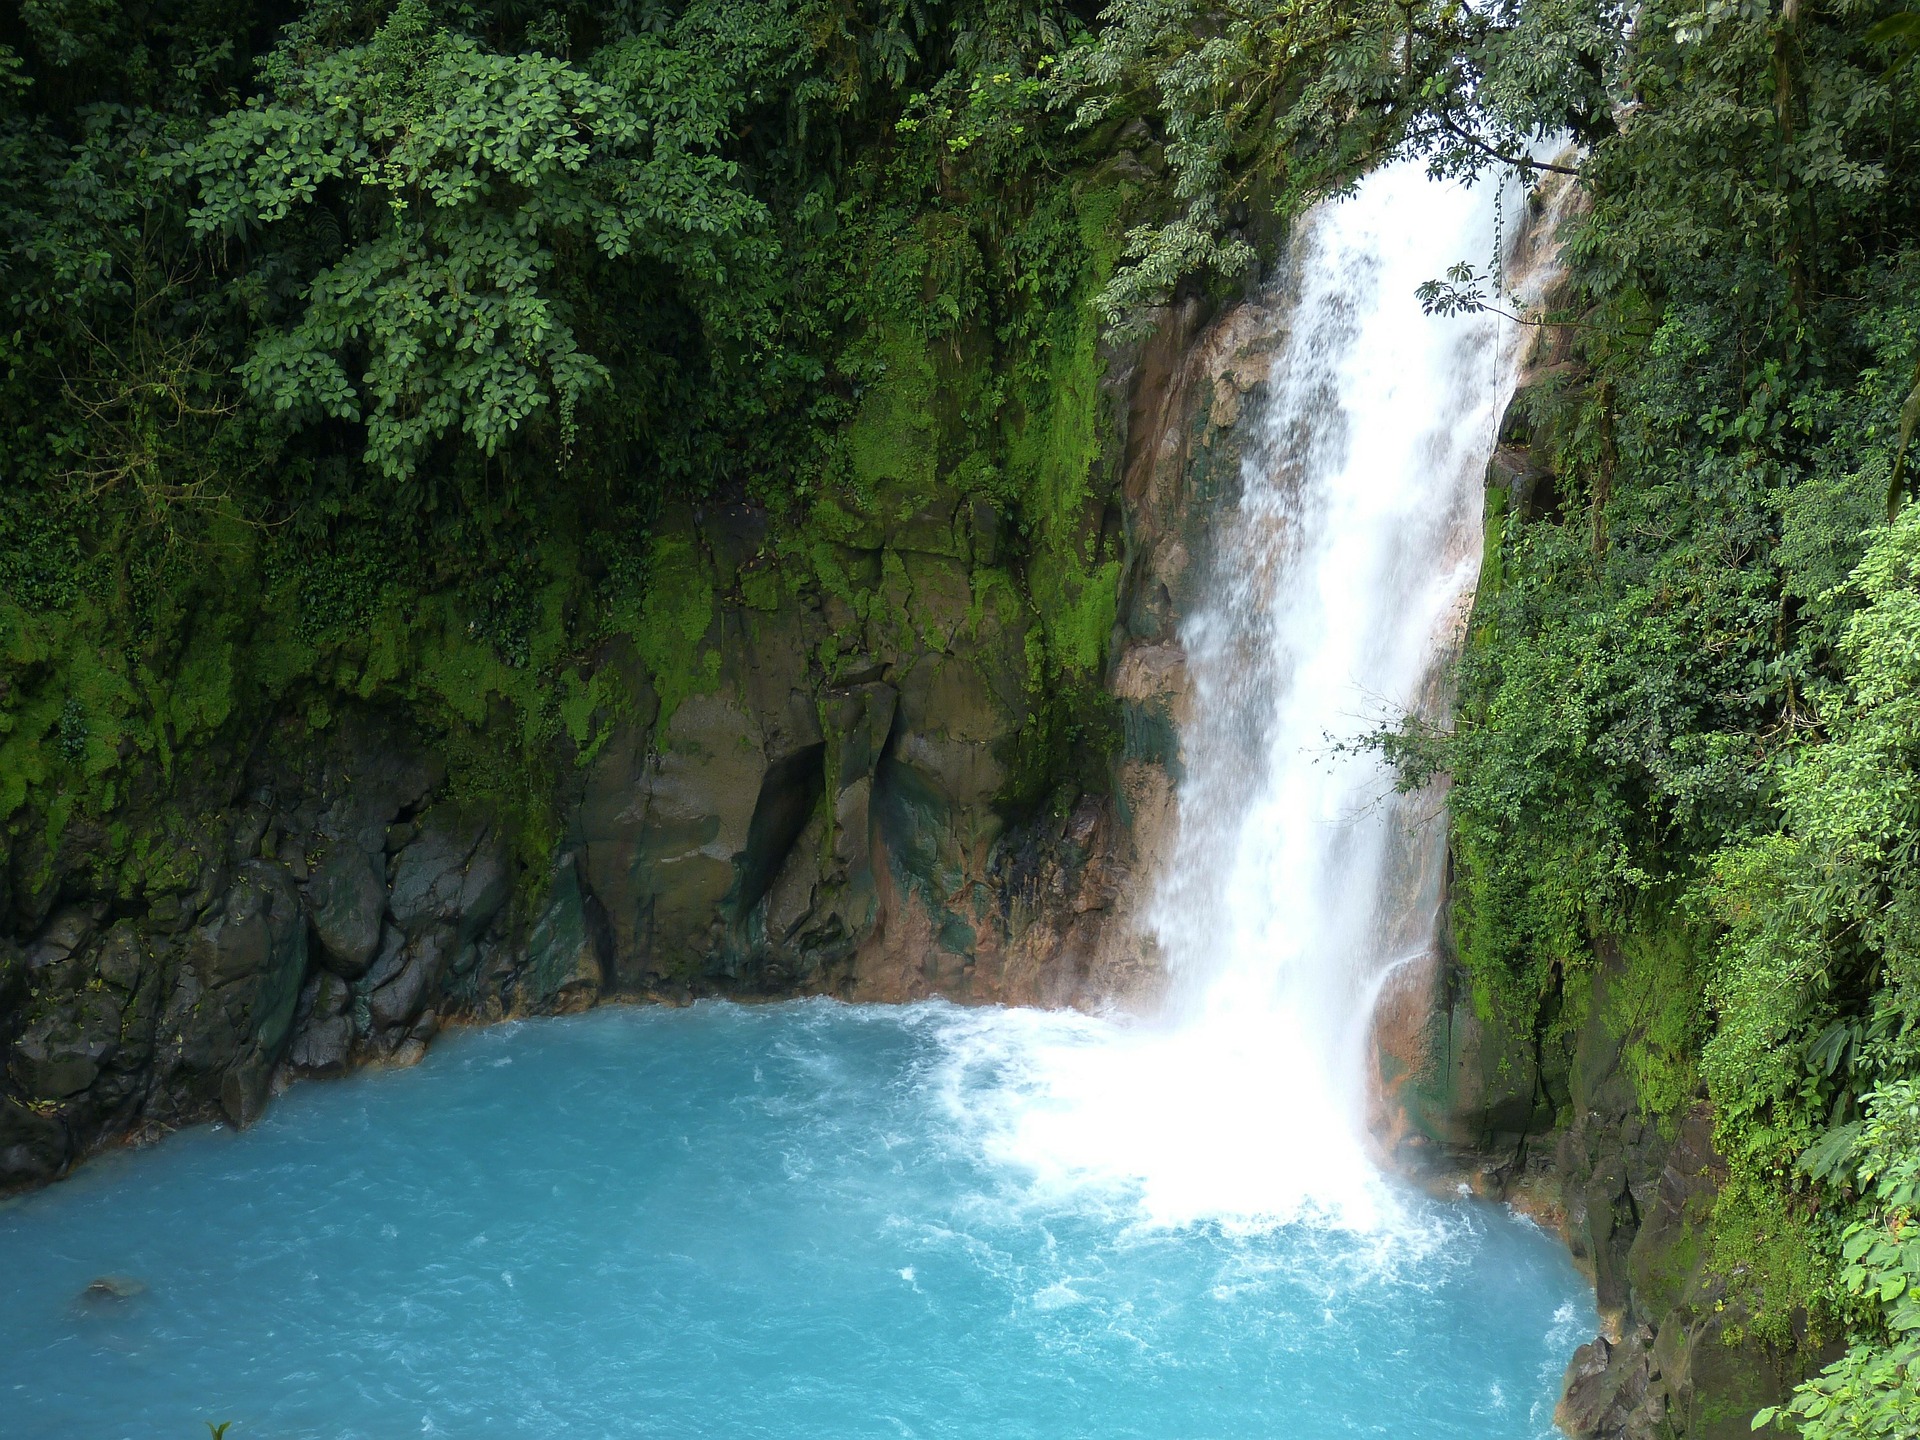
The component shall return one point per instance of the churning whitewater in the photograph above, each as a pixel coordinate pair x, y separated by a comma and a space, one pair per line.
1337, 592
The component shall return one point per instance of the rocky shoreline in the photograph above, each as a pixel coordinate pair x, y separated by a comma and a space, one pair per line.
1553, 1124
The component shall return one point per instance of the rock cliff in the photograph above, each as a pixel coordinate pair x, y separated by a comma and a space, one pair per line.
1586, 1116
798, 775
830, 806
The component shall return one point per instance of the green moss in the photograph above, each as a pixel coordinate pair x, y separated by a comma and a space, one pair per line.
833, 522
1493, 537
202, 694
464, 674
1655, 1006
949, 389
1087, 603
1055, 455
893, 442
589, 708
1771, 1257
675, 618
1662, 1275
762, 590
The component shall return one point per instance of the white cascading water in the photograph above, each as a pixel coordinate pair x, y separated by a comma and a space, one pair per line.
1338, 588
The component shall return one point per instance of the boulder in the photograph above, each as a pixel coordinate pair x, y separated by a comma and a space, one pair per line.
59, 1055
323, 1044
396, 1001
244, 1090
122, 960
33, 1147
453, 873
1604, 1394
235, 994
323, 1036
660, 832
348, 898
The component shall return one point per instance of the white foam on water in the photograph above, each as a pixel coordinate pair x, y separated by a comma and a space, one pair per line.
1337, 591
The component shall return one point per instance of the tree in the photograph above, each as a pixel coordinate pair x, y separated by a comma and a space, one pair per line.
450, 182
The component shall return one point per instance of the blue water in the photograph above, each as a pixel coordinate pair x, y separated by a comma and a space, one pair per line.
773, 1221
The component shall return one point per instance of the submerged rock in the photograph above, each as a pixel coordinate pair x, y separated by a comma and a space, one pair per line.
109, 1288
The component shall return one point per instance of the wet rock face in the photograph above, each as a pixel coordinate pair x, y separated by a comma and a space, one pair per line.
348, 896
252, 949
1631, 1193
823, 796
1612, 1391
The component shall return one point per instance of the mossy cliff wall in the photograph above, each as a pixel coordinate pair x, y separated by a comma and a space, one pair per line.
1586, 1112
915, 741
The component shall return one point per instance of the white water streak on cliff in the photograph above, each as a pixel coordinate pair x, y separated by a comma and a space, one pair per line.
1339, 586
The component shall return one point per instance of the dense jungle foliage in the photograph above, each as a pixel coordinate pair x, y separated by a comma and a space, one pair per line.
351, 347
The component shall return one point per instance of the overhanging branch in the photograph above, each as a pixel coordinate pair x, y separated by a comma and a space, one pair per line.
1518, 162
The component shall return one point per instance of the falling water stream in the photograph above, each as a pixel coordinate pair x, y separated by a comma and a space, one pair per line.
1336, 595
818, 1220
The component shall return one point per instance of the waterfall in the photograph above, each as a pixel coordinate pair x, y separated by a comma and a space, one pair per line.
1336, 594
1339, 586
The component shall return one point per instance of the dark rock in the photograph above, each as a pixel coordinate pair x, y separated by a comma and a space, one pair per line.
454, 873
235, 945
400, 999
349, 899
952, 730
57, 959
59, 1055
323, 1044
233, 999
259, 938
1638, 1206
323, 1036
856, 722
33, 1147
660, 825
251, 827
789, 794
390, 961
244, 1091
1605, 1391
565, 967
110, 1288
121, 959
